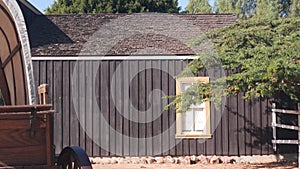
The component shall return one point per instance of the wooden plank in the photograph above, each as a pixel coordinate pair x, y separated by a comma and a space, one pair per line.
126, 104
74, 123
66, 104
172, 113
157, 107
149, 104
112, 110
82, 103
50, 81
179, 144
134, 127
248, 126
49, 140
21, 137
89, 107
104, 99
256, 127
96, 108
284, 126
285, 141
241, 125
24, 108
57, 100
286, 111
225, 129
233, 132
42, 72
165, 113
14, 122
25, 155
120, 108
36, 72
142, 98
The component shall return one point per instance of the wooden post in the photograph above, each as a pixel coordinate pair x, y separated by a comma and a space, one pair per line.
43, 94
299, 135
274, 126
43, 99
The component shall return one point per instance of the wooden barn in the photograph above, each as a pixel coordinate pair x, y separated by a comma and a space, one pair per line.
108, 75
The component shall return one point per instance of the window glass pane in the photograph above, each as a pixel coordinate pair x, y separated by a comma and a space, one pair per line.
187, 121
200, 120
185, 86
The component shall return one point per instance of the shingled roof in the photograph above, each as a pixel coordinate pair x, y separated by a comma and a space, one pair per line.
120, 34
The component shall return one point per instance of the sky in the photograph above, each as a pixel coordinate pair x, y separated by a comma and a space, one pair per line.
43, 4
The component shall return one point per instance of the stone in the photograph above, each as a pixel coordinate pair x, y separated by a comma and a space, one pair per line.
215, 160
105, 161
135, 160
202, 159
159, 160
194, 159
151, 160
143, 160
169, 160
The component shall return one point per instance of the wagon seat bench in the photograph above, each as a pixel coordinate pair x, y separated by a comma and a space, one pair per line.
26, 138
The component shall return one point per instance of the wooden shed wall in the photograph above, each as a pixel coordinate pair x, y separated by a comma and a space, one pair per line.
243, 130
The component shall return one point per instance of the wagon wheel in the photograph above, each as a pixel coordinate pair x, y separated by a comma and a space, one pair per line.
73, 158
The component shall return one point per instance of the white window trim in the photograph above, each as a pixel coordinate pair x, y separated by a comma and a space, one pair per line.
179, 133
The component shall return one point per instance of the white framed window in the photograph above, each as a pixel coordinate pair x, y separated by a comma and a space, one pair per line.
194, 123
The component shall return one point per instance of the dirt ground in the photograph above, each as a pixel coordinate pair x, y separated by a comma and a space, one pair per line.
289, 165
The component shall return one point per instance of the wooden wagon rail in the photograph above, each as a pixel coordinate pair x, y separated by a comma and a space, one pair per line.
25, 108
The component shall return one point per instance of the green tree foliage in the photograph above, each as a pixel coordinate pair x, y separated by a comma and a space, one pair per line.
295, 8
267, 9
262, 56
112, 6
246, 9
198, 7
225, 6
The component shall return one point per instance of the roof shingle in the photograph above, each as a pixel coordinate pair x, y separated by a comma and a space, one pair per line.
120, 34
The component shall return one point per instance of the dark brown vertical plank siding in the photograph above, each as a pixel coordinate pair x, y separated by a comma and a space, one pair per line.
74, 123
50, 81
96, 107
157, 123
225, 127
172, 113
42, 72
179, 144
82, 102
126, 107
36, 72
104, 104
248, 126
134, 96
241, 131
88, 106
256, 127
119, 82
165, 114
57, 86
111, 108
142, 98
66, 104
265, 127
233, 132
149, 104
241, 125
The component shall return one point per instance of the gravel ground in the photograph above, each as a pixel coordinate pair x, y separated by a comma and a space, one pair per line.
289, 165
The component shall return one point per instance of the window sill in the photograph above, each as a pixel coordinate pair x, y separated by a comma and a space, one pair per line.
180, 136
